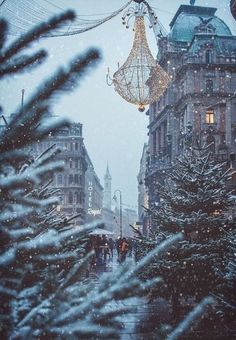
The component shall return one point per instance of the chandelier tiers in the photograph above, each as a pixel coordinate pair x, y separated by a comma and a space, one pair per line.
140, 80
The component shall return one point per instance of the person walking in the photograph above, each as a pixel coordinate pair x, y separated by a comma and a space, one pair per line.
118, 248
124, 249
111, 246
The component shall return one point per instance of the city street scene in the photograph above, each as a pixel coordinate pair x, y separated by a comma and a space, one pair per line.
118, 169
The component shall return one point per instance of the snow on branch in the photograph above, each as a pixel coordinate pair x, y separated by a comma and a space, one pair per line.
192, 317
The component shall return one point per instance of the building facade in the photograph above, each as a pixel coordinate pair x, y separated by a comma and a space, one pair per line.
199, 55
93, 192
143, 200
70, 181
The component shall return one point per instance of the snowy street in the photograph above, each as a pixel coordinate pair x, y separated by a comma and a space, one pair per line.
146, 316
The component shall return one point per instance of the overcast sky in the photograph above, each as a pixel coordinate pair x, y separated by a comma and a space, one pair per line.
114, 130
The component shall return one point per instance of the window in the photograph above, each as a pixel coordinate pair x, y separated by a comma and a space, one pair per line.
76, 179
70, 198
210, 117
154, 143
76, 146
76, 197
71, 146
59, 179
70, 179
208, 57
209, 86
71, 164
76, 163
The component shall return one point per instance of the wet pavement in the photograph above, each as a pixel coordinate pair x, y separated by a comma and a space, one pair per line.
146, 316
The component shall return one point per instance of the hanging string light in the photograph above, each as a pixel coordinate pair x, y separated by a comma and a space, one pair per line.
140, 80
22, 15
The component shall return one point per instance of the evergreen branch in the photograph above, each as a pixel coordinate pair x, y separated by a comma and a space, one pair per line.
192, 317
33, 111
155, 253
3, 32
26, 40
19, 66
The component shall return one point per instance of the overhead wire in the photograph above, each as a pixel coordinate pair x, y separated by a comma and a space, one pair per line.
24, 14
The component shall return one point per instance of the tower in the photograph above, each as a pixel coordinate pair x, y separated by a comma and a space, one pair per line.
107, 190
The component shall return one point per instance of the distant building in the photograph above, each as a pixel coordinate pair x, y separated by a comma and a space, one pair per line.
93, 192
108, 215
199, 54
107, 190
129, 217
143, 199
70, 181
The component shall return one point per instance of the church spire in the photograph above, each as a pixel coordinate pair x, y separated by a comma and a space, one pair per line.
107, 189
107, 174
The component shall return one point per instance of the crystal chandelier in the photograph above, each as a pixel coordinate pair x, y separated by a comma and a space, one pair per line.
140, 80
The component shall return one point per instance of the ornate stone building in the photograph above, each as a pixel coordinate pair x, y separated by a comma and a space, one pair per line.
71, 181
199, 54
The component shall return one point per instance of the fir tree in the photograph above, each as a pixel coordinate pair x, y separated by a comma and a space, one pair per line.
193, 199
42, 290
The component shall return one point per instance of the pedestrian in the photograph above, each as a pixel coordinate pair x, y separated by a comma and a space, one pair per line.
124, 249
118, 248
97, 248
130, 242
105, 247
111, 246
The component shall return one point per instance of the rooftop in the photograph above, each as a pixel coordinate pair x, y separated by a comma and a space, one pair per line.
187, 18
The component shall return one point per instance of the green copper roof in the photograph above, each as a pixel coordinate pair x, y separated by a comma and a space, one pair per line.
188, 17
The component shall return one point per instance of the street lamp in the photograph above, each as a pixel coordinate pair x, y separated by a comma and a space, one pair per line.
120, 199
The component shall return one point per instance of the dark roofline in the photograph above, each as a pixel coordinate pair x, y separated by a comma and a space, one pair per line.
193, 10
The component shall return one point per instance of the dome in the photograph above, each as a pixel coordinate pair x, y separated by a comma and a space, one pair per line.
189, 17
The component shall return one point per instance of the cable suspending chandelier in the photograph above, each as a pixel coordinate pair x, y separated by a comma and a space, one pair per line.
140, 80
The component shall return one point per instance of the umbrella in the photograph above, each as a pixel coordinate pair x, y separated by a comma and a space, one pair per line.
101, 232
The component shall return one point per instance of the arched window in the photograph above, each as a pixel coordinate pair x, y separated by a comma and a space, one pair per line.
76, 179
208, 56
59, 179
70, 179
70, 198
